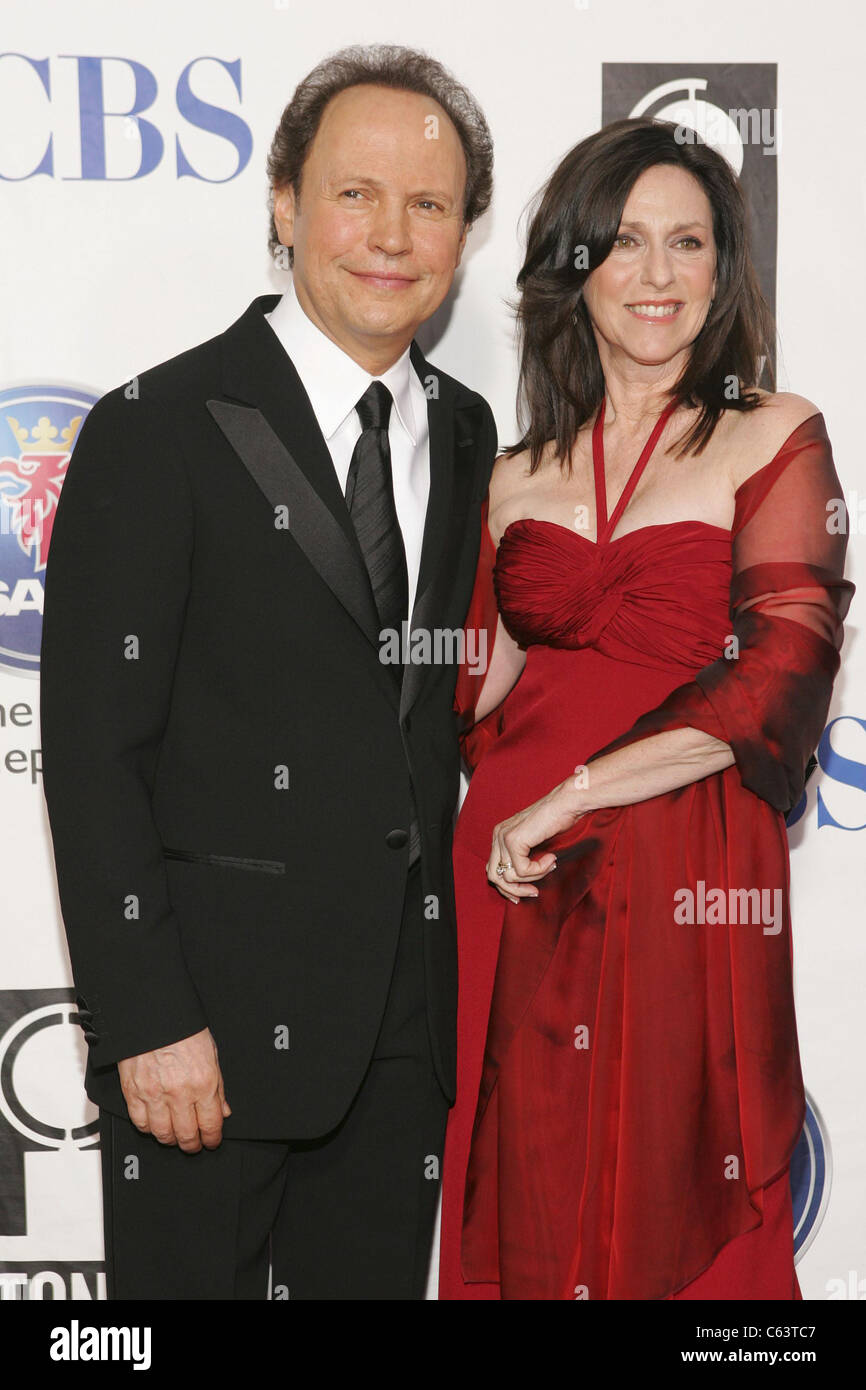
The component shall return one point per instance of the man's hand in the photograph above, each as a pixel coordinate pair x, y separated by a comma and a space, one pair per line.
176, 1093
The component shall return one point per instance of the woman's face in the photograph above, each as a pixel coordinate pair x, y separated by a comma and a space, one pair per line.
650, 297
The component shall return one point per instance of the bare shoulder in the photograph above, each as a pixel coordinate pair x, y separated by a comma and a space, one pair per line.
759, 434
510, 472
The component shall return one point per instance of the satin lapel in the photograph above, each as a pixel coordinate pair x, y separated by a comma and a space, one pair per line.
312, 525
451, 432
272, 428
276, 436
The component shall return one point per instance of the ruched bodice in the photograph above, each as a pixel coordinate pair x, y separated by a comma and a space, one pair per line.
610, 628
657, 596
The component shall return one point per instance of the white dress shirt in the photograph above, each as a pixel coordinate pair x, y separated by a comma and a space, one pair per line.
335, 383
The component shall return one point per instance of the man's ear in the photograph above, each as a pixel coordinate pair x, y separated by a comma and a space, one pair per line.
284, 214
462, 243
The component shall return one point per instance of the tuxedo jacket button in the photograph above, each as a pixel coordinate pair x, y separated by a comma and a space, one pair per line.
396, 839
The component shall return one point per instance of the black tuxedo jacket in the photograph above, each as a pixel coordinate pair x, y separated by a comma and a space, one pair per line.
227, 760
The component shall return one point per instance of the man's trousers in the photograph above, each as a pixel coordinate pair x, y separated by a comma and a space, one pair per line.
347, 1216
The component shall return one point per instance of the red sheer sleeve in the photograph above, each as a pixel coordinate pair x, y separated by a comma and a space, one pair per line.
695, 1091
769, 694
476, 737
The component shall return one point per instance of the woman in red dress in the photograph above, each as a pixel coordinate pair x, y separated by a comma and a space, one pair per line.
660, 577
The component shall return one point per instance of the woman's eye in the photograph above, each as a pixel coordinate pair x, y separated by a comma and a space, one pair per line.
625, 239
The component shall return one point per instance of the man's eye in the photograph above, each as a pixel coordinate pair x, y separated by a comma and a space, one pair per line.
428, 203
351, 192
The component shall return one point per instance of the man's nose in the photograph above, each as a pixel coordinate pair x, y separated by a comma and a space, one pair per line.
390, 230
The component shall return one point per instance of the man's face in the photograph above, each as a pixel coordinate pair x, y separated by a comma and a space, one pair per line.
378, 230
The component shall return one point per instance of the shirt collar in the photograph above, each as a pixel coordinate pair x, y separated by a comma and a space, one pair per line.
332, 379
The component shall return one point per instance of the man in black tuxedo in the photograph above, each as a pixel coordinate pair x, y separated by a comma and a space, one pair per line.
251, 805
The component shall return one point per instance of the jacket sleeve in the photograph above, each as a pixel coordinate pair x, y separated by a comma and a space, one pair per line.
769, 694
117, 579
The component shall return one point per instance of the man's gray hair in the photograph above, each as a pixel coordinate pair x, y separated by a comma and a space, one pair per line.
381, 65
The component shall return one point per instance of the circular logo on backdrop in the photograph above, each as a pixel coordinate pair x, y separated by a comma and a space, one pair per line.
811, 1173
690, 112
38, 428
41, 1079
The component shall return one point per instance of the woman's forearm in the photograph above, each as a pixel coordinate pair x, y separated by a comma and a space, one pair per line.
649, 767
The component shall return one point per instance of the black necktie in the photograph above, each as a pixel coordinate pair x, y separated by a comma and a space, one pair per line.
370, 499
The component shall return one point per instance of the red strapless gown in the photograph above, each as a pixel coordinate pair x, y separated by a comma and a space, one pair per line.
611, 630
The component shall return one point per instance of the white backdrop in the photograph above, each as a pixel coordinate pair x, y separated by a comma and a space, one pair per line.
106, 273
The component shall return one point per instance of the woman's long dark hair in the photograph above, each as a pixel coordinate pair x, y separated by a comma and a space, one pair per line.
561, 384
